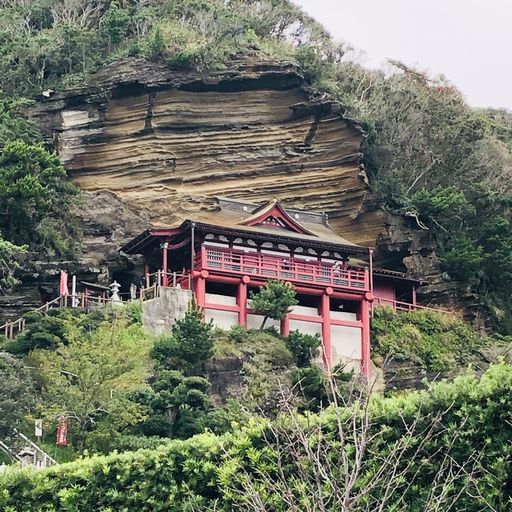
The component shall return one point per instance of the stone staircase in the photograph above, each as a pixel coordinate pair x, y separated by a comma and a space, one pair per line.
25, 452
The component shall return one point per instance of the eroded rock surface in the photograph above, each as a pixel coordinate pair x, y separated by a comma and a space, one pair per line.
166, 142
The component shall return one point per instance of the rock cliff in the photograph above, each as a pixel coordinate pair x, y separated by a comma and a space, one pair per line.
165, 142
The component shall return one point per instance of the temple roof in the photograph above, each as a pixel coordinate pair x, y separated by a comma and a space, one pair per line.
270, 220
301, 225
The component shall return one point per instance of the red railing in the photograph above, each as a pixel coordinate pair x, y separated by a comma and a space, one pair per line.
283, 268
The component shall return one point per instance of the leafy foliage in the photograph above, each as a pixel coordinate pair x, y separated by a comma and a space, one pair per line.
50, 44
13, 126
33, 189
303, 346
435, 341
450, 423
273, 300
46, 331
17, 394
34, 196
88, 377
177, 405
10, 257
310, 383
189, 344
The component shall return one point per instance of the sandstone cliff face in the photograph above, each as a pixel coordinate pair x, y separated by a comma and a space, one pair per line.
165, 143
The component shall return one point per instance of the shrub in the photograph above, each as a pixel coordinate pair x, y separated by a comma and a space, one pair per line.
189, 344
436, 341
303, 346
416, 447
310, 384
45, 331
238, 334
273, 300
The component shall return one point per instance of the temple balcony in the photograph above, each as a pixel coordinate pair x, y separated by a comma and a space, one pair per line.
266, 266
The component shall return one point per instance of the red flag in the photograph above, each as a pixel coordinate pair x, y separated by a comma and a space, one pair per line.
63, 289
62, 432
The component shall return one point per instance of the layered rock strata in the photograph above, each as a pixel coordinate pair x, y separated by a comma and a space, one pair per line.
167, 142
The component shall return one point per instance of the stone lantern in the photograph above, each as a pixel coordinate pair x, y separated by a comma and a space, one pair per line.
115, 297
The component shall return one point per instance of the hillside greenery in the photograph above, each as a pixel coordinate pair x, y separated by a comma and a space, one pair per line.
248, 446
288, 437
36, 219
446, 448
120, 388
434, 341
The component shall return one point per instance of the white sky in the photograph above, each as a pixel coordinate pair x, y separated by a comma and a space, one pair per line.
469, 41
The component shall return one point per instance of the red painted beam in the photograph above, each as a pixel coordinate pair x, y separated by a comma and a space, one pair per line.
222, 307
347, 323
356, 296
305, 318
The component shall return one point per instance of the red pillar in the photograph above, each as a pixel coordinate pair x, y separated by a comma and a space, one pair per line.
414, 296
364, 311
242, 301
165, 281
200, 289
325, 310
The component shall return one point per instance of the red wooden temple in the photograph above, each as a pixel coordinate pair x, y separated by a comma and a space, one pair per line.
236, 249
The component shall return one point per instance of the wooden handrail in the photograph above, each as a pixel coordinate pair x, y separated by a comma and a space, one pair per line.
407, 306
11, 328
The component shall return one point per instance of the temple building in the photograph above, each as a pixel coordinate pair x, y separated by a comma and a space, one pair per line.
225, 254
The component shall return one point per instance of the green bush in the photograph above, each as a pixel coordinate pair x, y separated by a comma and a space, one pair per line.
273, 300
310, 385
238, 334
303, 346
189, 344
45, 331
435, 341
218, 473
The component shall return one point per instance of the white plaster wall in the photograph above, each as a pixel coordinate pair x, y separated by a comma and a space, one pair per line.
306, 327
305, 310
221, 319
214, 298
254, 322
343, 315
346, 345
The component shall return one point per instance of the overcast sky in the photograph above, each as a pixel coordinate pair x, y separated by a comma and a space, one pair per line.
469, 41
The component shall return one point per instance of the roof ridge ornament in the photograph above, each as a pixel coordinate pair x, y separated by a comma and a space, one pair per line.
274, 214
